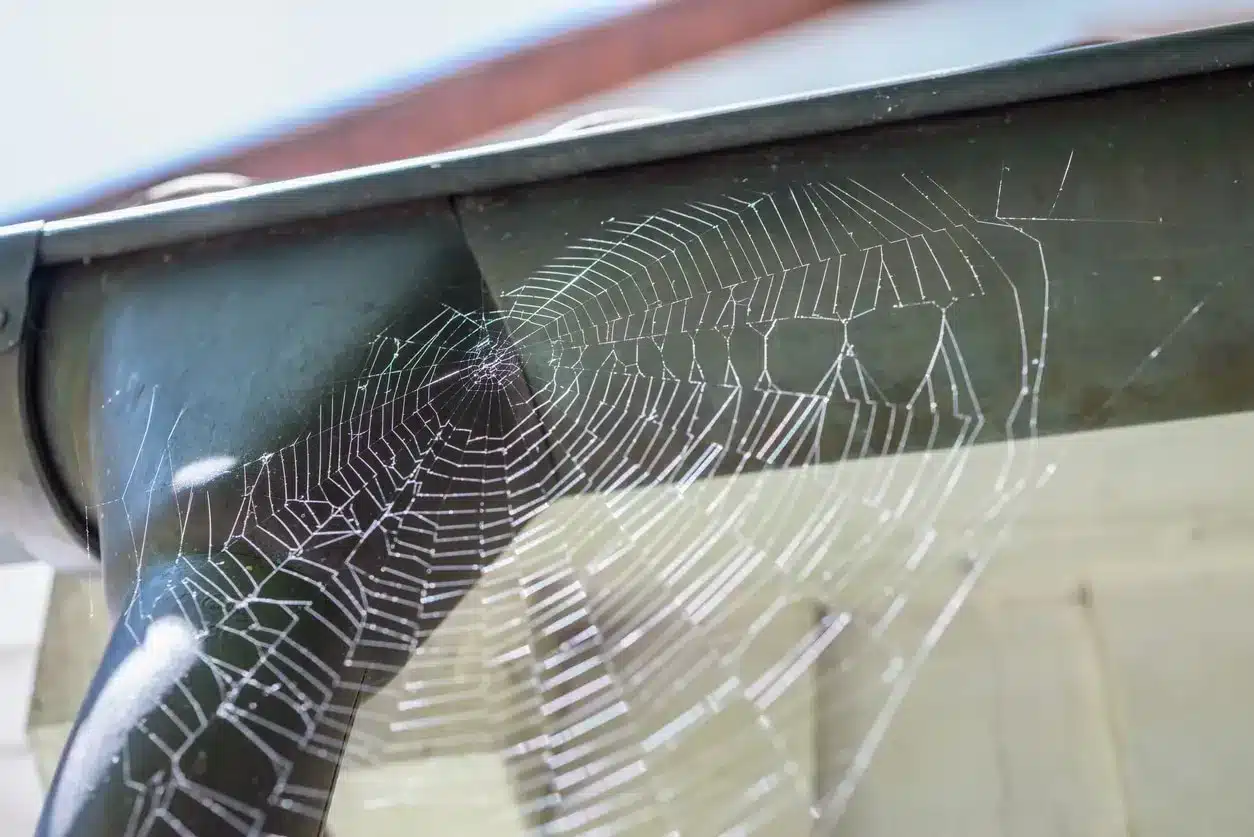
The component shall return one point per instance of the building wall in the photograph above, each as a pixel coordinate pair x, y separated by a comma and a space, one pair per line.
25, 593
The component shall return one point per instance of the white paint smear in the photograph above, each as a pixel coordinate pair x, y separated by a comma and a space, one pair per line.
201, 471
137, 687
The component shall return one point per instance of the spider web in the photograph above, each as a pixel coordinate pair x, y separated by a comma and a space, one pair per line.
669, 527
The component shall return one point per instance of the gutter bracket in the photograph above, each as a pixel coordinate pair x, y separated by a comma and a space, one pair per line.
19, 253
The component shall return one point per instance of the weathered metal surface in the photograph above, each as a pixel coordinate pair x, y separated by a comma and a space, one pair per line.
1085, 260
268, 503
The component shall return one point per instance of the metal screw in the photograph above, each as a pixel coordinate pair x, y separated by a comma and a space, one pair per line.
604, 118
187, 186
193, 185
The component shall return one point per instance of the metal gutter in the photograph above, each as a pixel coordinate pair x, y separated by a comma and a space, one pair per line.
1038, 77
